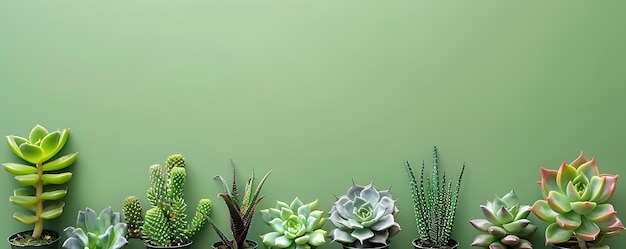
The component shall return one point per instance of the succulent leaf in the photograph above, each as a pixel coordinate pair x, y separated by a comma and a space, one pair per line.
558, 202
60, 163
481, 224
25, 218
484, 240
556, 235
583, 207
19, 169
568, 221
60, 178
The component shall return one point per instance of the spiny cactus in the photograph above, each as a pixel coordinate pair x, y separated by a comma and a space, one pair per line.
133, 215
505, 225
165, 223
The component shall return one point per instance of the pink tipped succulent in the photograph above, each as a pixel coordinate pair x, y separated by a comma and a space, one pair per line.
576, 203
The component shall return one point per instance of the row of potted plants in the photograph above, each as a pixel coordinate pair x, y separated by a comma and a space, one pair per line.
575, 205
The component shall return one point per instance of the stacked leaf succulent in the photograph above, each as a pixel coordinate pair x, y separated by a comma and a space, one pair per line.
505, 225
576, 204
43, 181
241, 211
295, 225
106, 231
364, 216
165, 223
435, 202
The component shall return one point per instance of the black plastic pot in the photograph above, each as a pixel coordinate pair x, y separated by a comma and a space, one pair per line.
367, 246
251, 244
452, 244
54, 244
183, 246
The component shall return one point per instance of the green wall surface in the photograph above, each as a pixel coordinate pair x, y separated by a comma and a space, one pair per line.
322, 93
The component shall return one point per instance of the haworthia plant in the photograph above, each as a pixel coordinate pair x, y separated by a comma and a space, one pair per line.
435, 201
43, 181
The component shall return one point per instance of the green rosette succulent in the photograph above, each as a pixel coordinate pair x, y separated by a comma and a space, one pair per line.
106, 231
364, 215
506, 224
43, 181
296, 226
576, 204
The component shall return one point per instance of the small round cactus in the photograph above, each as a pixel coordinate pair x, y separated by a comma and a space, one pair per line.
133, 215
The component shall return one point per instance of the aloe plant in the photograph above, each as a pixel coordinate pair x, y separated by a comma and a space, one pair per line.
506, 224
576, 204
364, 217
44, 183
106, 231
295, 225
434, 201
165, 223
241, 211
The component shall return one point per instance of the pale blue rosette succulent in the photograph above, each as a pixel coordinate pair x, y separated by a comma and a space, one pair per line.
364, 215
296, 226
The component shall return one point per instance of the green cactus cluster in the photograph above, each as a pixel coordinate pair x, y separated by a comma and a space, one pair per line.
165, 223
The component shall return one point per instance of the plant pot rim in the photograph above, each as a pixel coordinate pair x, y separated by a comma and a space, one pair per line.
218, 243
372, 246
452, 243
52, 232
188, 243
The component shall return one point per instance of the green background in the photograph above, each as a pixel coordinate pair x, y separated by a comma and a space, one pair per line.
320, 92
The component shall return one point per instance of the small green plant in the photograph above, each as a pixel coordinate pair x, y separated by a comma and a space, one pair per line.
295, 225
435, 202
165, 223
364, 217
44, 184
106, 231
506, 224
576, 204
241, 211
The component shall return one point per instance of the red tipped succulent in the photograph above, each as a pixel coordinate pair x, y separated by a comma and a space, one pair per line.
576, 204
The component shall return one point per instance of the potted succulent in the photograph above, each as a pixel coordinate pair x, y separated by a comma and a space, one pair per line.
106, 231
165, 224
364, 217
43, 181
295, 225
435, 202
506, 224
576, 205
240, 210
